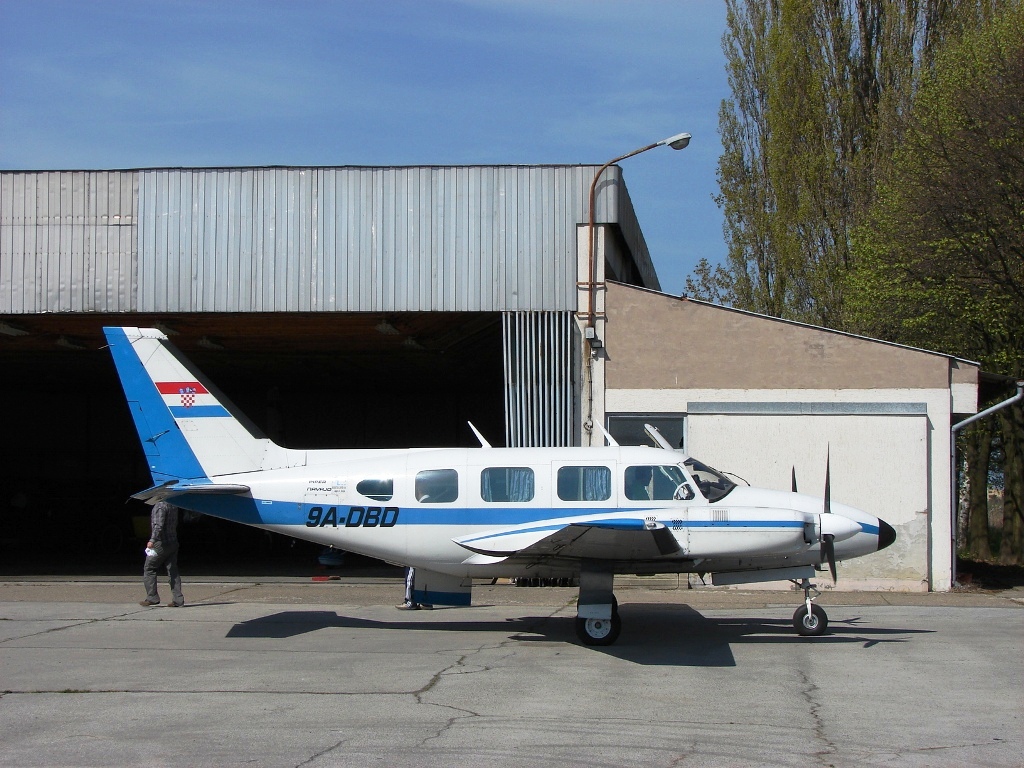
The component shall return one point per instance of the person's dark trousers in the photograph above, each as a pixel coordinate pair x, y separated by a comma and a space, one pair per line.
166, 555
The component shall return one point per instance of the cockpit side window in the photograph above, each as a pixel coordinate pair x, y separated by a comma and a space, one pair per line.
437, 486
652, 483
377, 489
713, 484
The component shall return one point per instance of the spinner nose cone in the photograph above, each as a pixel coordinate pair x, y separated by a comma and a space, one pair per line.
886, 534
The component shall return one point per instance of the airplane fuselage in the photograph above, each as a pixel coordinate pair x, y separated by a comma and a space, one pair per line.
321, 501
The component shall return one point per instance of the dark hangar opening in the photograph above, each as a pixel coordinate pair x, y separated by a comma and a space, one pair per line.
322, 380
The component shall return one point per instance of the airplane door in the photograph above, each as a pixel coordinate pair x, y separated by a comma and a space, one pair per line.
661, 492
321, 504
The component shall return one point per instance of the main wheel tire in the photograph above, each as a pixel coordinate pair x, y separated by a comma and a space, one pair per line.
599, 631
810, 624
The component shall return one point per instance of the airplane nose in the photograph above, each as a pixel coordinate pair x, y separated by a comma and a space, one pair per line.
886, 534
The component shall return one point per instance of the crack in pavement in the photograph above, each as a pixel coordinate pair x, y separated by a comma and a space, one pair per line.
460, 667
809, 692
461, 714
321, 753
73, 623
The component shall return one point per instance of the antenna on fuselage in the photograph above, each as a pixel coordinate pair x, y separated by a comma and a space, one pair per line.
608, 438
483, 442
657, 437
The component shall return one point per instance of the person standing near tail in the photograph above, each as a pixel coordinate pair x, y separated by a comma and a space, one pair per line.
410, 586
162, 550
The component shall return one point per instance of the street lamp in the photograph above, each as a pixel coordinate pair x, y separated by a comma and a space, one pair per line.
679, 141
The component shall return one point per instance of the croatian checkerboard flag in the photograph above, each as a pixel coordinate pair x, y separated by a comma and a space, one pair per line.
189, 399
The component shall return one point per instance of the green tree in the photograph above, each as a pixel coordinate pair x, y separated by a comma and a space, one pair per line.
817, 87
870, 179
940, 258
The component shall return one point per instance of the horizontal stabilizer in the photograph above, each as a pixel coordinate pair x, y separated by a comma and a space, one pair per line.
172, 489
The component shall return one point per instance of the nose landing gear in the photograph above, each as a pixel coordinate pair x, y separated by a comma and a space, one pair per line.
810, 619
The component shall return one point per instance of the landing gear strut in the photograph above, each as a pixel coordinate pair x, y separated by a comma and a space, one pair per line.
597, 610
810, 619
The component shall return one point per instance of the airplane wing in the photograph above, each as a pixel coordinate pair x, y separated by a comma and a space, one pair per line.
621, 539
174, 488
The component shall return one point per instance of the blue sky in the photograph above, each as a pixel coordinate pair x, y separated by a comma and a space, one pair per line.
143, 83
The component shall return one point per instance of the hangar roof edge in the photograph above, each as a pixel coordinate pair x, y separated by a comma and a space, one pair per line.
357, 167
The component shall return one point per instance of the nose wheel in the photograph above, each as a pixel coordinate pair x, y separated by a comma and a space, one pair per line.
810, 619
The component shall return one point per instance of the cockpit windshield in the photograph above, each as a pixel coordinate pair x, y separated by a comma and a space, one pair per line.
713, 484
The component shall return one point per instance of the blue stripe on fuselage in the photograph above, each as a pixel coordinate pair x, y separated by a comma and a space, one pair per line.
244, 509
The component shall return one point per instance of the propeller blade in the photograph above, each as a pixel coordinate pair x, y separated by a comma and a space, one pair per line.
828, 540
828, 493
828, 553
794, 479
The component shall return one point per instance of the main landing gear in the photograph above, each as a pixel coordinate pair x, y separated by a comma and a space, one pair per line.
599, 631
810, 619
597, 610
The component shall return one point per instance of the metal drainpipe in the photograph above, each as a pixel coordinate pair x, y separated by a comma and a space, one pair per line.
954, 496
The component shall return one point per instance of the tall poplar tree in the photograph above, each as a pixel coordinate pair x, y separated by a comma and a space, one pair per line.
869, 182
940, 259
816, 88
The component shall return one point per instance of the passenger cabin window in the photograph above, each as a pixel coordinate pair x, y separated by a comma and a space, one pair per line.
378, 490
584, 483
506, 484
437, 486
653, 483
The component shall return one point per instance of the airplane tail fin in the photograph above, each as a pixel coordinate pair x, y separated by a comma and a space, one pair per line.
188, 429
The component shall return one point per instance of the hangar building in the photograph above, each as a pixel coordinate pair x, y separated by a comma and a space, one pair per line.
383, 307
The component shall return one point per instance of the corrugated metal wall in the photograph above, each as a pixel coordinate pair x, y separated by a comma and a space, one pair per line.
67, 241
476, 238
360, 239
538, 378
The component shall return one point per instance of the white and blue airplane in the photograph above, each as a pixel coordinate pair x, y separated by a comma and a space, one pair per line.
458, 514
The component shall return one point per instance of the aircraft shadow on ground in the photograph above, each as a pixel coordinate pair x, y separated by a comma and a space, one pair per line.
658, 635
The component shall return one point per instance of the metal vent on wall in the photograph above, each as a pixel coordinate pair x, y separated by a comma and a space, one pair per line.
538, 378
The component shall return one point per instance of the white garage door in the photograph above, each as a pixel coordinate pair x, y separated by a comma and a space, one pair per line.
879, 463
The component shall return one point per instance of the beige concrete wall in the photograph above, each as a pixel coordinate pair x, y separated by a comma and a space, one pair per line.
667, 355
655, 341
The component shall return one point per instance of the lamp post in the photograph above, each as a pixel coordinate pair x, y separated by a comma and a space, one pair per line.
679, 141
